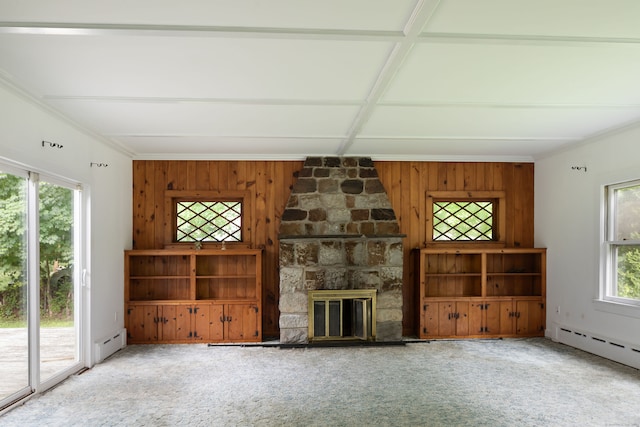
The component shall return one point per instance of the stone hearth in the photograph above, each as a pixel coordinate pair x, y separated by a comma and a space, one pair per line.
339, 232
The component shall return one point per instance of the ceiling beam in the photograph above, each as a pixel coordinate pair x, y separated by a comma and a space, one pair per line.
88, 29
421, 14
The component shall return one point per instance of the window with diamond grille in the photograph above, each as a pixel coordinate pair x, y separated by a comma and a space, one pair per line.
209, 221
463, 220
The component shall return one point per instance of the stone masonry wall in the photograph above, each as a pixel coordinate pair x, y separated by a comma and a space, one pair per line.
338, 196
339, 231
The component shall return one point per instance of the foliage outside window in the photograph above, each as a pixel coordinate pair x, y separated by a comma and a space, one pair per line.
469, 218
208, 221
622, 243
56, 219
461, 220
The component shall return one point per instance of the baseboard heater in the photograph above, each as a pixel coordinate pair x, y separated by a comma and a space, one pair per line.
109, 345
616, 350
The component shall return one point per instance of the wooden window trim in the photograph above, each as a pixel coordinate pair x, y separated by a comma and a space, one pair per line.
248, 214
499, 221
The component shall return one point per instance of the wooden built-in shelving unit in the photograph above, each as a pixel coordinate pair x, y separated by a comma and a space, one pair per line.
181, 296
482, 293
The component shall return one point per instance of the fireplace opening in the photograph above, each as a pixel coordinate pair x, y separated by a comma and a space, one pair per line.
342, 315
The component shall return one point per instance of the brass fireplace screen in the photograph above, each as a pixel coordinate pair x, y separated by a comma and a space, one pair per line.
342, 314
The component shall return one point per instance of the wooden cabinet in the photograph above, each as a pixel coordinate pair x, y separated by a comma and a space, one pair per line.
446, 318
482, 293
522, 317
182, 296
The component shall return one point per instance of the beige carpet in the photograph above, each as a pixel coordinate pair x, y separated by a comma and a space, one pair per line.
511, 382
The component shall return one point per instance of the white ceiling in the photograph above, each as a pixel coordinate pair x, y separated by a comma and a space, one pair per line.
504, 80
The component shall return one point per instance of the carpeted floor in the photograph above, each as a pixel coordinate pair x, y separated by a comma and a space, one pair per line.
511, 382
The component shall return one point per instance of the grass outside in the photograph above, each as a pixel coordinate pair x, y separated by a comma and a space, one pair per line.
44, 323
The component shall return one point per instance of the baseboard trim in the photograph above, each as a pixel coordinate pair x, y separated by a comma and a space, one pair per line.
600, 345
109, 345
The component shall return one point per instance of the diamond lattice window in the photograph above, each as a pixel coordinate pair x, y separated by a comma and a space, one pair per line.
463, 220
209, 221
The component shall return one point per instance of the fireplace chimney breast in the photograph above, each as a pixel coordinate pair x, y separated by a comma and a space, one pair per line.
339, 232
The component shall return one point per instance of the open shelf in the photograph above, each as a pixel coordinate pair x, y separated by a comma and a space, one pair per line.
178, 295
482, 292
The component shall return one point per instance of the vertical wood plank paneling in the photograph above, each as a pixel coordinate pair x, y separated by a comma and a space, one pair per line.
223, 175
240, 172
232, 175
523, 204
459, 174
272, 288
442, 177
159, 178
407, 184
214, 172
191, 181
469, 175
138, 202
481, 173
203, 176
150, 237
260, 206
505, 182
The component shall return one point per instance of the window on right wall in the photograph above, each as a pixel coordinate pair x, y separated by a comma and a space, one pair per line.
622, 243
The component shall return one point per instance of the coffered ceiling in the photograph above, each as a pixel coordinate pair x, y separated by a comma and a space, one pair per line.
459, 80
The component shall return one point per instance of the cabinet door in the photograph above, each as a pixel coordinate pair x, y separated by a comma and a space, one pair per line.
208, 322
484, 318
530, 319
507, 317
176, 322
429, 320
476, 318
142, 323
461, 317
492, 318
453, 319
242, 322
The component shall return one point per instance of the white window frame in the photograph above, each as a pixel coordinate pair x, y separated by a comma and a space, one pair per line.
609, 272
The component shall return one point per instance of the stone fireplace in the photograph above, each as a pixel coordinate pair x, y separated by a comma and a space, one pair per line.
339, 233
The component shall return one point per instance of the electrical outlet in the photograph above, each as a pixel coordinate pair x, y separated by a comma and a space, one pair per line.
115, 316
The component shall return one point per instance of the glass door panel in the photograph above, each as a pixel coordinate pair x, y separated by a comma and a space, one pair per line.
58, 334
14, 339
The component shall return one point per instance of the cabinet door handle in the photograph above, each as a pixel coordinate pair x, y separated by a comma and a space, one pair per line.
229, 318
222, 319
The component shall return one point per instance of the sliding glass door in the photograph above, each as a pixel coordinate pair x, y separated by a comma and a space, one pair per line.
39, 282
58, 332
14, 338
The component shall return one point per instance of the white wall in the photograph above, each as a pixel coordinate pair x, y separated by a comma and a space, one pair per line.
567, 222
23, 126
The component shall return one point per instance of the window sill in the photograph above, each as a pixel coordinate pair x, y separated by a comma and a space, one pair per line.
618, 308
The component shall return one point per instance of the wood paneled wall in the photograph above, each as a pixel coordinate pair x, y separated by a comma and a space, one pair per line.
270, 181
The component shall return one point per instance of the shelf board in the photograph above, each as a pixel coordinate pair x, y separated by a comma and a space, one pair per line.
453, 275
229, 276
157, 277
481, 298
513, 274
160, 301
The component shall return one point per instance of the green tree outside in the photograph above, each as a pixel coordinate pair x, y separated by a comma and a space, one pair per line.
628, 228
56, 250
